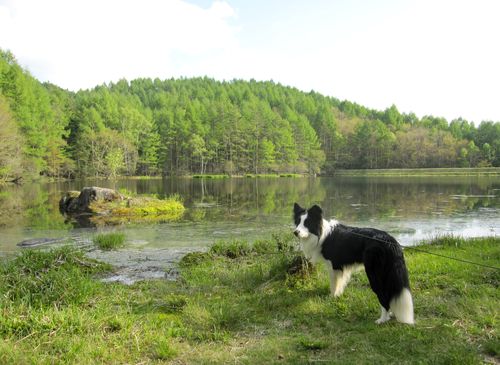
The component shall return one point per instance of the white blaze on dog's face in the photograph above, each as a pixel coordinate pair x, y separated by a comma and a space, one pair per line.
307, 222
301, 230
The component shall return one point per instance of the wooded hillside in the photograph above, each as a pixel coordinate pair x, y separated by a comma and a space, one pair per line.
199, 125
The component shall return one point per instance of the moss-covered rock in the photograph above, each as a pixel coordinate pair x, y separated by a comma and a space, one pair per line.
80, 202
107, 206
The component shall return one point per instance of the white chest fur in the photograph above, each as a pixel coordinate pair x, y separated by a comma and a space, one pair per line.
312, 244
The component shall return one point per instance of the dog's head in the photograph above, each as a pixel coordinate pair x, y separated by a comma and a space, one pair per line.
307, 222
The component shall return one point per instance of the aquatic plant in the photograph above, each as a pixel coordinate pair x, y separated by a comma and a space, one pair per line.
109, 241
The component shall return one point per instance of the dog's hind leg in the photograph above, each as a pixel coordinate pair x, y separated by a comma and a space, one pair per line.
374, 268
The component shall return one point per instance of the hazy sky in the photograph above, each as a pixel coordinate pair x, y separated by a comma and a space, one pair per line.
439, 57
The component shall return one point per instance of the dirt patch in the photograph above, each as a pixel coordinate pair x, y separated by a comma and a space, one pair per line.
132, 265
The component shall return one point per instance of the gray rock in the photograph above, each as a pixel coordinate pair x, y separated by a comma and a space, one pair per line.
74, 202
33, 242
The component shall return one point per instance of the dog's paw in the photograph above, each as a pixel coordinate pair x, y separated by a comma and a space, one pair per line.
382, 320
336, 293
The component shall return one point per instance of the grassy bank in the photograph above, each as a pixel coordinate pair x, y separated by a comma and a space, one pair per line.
249, 304
482, 171
208, 176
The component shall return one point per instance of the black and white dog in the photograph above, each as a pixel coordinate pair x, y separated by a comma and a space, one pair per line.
344, 248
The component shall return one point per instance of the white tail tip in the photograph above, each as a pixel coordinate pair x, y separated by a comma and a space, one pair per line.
402, 307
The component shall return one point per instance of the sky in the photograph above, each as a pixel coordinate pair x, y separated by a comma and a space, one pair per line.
429, 57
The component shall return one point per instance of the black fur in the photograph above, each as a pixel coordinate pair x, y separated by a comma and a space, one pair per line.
377, 250
297, 212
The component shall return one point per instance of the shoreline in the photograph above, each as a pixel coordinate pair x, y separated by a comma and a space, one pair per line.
418, 172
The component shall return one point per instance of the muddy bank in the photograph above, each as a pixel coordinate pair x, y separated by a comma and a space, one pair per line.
132, 265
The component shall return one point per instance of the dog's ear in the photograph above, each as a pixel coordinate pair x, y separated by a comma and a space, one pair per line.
297, 208
315, 211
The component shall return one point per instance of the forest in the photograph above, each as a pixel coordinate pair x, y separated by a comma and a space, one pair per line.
154, 127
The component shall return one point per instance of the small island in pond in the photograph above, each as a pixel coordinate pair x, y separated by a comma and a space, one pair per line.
102, 206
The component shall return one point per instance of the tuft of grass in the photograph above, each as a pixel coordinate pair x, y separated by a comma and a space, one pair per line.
279, 242
195, 258
58, 277
312, 345
126, 192
163, 350
114, 325
264, 246
109, 241
232, 249
174, 303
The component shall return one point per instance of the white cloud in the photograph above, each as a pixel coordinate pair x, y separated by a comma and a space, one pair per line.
429, 57
79, 44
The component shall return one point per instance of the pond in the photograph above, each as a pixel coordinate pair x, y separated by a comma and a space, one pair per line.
412, 209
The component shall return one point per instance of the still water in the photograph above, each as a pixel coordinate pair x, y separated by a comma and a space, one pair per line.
411, 208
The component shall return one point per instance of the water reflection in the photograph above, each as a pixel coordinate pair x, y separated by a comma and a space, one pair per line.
411, 208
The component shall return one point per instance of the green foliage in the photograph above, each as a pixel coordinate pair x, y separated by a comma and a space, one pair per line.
109, 241
41, 117
10, 148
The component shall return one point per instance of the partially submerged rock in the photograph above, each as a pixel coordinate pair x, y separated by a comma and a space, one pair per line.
107, 206
80, 202
33, 242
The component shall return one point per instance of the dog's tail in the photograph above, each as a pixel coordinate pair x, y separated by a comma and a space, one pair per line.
402, 307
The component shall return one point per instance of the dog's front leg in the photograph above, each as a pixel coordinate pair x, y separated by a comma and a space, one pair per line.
335, 279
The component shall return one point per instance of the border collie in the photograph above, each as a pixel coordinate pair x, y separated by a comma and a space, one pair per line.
344, 248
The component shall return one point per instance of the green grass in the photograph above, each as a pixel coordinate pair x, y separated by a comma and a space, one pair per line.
46, 279
225, 176
464, 171
210, 176
272, 175
109, 241
246, 303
